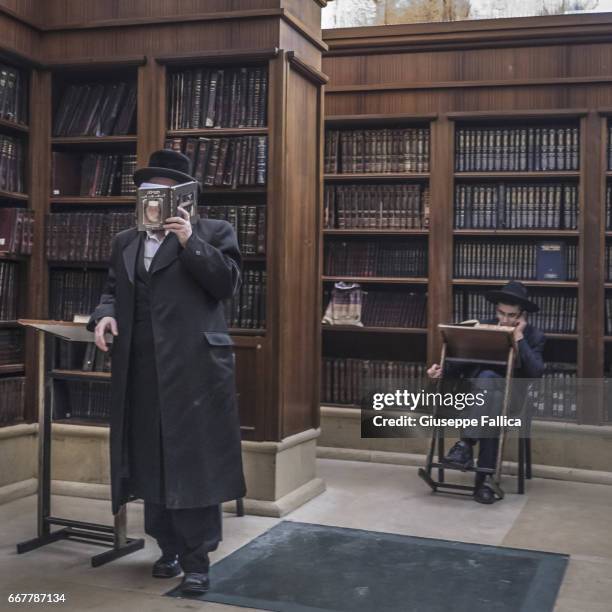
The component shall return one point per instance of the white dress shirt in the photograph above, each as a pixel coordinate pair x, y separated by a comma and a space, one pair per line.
152, 242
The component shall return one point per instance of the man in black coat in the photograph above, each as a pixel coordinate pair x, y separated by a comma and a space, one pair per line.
174, 429
511, 305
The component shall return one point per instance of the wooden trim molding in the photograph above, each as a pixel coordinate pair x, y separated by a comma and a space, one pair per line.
165, 20
306, 70
96, 63
470, 34
408, 86
562, 113
304, 30
219, 57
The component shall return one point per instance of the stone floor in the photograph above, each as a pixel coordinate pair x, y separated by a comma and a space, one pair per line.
554, 516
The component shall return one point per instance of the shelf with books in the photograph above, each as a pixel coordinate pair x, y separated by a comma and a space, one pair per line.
217, 115
531, 283
376, 177
517, 232
387, 280
512, 176
11, 126
218, 132
94, 201
96, 141
16, 239
375, 232
12, 368
13, 195
13, 257
374, 329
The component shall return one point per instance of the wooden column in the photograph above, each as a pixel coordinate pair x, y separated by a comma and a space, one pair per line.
591, 256
39, 182
440, 296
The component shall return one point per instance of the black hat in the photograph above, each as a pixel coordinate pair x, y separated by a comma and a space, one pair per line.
167, 163
513, 293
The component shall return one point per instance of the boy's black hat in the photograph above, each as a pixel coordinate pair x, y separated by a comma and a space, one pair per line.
166, 163
513, 293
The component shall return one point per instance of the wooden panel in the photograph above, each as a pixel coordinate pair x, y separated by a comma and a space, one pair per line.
538, 67
162, 39
39, 179
591, 259
71, 12
440, 247
301, 252
18, 38
250, 373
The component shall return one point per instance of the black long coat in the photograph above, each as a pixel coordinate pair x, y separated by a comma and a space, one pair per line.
195, 362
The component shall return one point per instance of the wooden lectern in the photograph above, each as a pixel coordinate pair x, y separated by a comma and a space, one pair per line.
492, 345
92, 533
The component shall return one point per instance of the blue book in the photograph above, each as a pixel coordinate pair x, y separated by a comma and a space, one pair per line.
551, 261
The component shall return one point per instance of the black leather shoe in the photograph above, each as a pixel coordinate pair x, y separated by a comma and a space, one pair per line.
484, 495
460, 455
195, 583
166, 567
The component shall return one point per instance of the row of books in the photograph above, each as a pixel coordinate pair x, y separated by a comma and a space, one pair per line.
376, 206
81, 356
84, 400
11, 346
83, 236
524, 149
247, 308
93, 174
16, 230
380, 308
12, 158
376, 258
347, 380
96, 109
249, 222
377, 151
557, 308
516, 206
554, 396
609, 207
13, 94
229, 162
12, 400
9, 272
74, 292
522, 259
225, 98
608, 315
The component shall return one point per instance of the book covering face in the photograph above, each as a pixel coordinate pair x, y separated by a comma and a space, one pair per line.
156, 203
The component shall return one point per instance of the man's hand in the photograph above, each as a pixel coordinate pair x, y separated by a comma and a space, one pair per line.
105, 324
435, 371
520, 326
181, 226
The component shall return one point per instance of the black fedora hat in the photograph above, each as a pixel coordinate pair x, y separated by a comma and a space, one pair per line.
512, 293
165, 163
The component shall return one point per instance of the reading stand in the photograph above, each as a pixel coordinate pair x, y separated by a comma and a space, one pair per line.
481, 344
91, 533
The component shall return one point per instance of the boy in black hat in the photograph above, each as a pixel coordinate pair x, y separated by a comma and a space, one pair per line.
174, 428
511, 305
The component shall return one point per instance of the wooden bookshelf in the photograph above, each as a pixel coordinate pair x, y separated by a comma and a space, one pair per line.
374, 72
347, 343
94, 201
17, 184
290, 49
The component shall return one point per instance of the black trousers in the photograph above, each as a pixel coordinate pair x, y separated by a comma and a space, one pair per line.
190, 533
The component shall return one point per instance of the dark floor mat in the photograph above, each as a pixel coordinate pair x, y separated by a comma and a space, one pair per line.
300, 567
